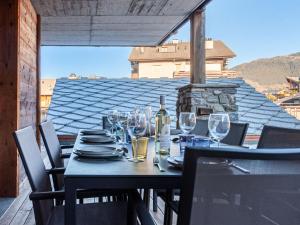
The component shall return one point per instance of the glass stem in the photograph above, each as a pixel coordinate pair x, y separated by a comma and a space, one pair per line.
136, 150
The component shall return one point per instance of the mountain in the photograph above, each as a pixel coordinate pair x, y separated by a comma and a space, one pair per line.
270, 73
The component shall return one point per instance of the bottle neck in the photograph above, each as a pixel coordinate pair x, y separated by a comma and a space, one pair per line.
162, 106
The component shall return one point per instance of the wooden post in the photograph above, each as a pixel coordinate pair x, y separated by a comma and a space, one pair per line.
38, 77
18, 83
197, 46
9, 99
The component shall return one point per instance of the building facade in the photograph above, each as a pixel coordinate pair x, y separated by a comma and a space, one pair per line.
47, 86
172, 60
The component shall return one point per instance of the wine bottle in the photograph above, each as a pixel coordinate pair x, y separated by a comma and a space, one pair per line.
162, 129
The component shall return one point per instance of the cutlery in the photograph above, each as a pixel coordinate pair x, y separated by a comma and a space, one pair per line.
156, 163
232, 164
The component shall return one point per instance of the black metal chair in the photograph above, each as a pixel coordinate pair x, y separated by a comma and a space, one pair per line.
54, 151
257, 199
201, 127
236, 137
278, 137
237, 134
42, 196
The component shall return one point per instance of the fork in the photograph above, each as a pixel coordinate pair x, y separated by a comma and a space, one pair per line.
156, 163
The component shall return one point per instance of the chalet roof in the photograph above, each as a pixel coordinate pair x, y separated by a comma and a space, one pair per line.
112, 22
81, 103
178, 51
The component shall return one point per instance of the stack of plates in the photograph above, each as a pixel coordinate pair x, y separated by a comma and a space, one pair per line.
93, 132
99, 152
96, 139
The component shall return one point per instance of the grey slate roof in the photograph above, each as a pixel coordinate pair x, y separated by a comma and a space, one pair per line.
80, 104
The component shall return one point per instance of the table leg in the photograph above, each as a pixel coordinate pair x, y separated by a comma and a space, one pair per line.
168, 217
70, 203
147, 197
131, 211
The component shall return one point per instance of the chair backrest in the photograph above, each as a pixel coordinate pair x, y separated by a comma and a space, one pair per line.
216, 194
201, 127
35, 170
54, 151
278, 137
237, 134
52, 144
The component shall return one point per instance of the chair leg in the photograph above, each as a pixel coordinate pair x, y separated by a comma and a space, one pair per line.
154, 200
81, 201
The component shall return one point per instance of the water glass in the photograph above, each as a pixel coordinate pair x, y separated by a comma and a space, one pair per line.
187, 122
185, 140
218, 126
139, 147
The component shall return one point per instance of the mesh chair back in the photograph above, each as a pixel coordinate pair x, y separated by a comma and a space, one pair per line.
277, 137
35, 170
237, 134
215, 194
52, 144
53, 149
201, 127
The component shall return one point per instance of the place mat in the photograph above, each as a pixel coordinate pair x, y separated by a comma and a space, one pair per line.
96, 139
93, 132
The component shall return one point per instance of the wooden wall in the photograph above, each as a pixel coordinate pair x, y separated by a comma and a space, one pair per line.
18, 84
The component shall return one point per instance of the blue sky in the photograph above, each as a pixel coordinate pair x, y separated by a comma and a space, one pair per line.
251, 28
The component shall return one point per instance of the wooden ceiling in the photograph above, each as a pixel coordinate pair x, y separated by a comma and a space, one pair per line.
111, 22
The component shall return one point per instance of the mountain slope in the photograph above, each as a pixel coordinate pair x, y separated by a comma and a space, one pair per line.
270, 73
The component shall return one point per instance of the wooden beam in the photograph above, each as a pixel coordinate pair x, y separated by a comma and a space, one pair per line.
198, 47
38, 76
9, 98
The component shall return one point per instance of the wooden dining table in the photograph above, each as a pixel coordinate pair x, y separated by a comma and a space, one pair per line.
84, 173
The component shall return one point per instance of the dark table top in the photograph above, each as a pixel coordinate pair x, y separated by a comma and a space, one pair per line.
83, 167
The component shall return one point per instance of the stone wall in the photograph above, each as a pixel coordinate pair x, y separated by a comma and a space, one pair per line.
207, 98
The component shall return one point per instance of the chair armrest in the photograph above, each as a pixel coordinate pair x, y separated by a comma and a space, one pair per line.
57, 170
65, 155
46, 195
66, 146
142, 212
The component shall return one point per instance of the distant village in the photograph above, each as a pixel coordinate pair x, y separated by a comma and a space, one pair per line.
172, 61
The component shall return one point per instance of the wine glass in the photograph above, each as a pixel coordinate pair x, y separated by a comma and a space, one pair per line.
112, 117
136, 126
187, 122
218, 126
148, 112
122, 123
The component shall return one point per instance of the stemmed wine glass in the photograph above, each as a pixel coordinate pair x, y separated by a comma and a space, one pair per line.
112, 117
148, 112
122, 123
137, 125
187, 122
218, 126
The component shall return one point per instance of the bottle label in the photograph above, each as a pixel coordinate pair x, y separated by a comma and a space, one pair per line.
165, 137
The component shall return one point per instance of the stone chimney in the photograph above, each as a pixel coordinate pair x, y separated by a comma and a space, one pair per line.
203, 99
